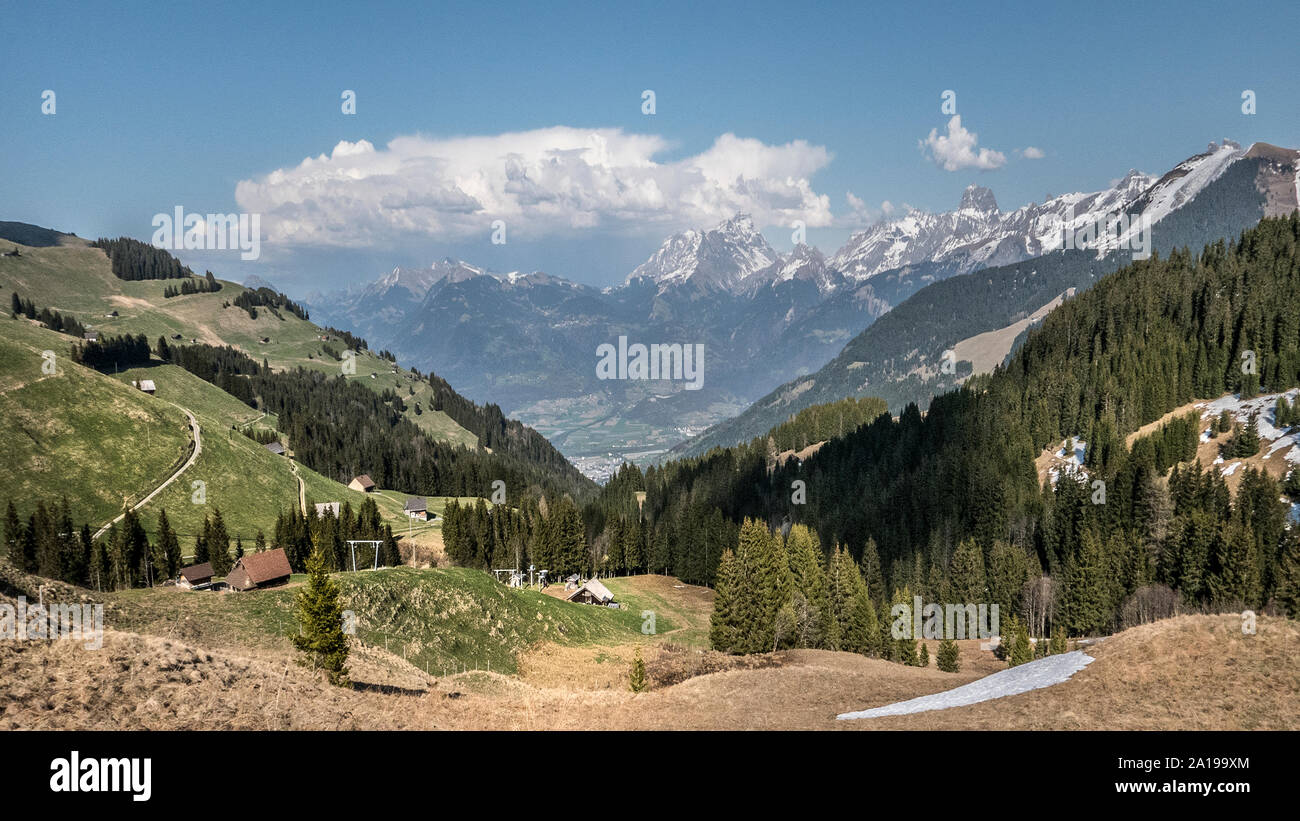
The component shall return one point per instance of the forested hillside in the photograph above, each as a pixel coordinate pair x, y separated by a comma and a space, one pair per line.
897, 358
914, 494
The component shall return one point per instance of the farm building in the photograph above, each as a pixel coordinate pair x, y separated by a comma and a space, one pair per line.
258, 570
327, 507
196, 576
91, 336
362, 483
276, 448
417, 508
145, 385
593, 592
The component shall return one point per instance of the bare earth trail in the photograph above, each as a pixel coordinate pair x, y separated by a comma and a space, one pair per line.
302, 487
194, 455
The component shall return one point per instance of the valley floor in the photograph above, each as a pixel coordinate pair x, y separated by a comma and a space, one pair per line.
1189, 672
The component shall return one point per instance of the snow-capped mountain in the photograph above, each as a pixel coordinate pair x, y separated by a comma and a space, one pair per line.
724, 257
416, 282
977, 234
725, 287
804, 263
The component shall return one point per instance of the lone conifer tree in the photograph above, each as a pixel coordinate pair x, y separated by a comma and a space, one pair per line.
636, 679
1021, 649
948, 657
321, 616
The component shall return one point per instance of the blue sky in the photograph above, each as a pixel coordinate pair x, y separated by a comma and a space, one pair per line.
176, 104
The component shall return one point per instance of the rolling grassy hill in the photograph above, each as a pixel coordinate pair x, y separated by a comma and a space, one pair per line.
77, 432
445, 618
99, 441
76, 279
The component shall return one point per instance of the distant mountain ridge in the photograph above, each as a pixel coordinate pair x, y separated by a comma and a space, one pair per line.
525, 340
1215, 195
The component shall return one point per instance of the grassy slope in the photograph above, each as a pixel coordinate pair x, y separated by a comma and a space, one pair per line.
79, 433
96, 439
445, 618
77, 279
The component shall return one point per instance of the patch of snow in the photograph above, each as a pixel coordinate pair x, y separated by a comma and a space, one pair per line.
1231, 469
1034, 675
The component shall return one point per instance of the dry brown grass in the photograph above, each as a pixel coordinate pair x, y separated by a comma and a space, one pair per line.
1185, 673
1190, 672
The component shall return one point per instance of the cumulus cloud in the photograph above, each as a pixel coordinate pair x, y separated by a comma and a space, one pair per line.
957, 150
540, 182
1033, 153
860, 213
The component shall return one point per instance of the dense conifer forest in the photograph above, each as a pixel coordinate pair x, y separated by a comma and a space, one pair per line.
948, 505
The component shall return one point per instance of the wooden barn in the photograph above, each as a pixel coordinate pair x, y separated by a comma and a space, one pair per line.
196, 576
593, 592
417, 508
362, 483
257, 570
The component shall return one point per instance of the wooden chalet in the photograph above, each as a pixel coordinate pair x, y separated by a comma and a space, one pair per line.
258, 570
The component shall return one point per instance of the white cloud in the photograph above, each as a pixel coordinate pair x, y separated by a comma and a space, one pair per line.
860, 213
1033, 153
957, 150
540, 182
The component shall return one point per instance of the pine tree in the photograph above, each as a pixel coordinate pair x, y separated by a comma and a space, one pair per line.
1084, 597
1246, 443
320, 615
853, 610
259, 546
1057, 644
722, 624
815, 622
923, 658
218, 542
169, 547
967, 573
949, 657
903, 649
1021, 649
636, 678
392, 555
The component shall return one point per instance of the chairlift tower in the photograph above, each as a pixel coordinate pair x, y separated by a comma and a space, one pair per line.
352, 545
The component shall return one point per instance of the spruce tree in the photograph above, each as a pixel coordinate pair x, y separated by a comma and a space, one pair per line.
169, 547
320, 615
1021, 649
1057, 644
923, 657
967, 573
636, 678
948, 658
218, 542
722, 624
